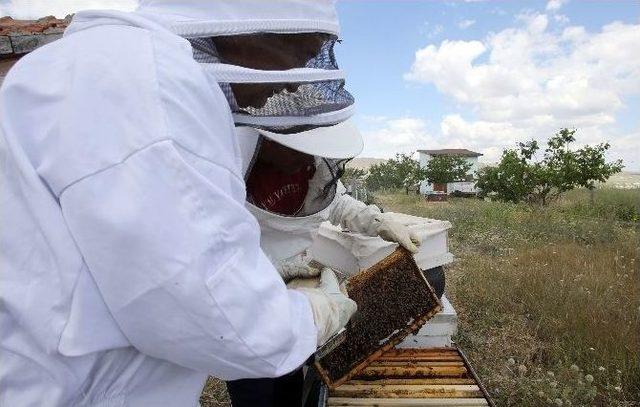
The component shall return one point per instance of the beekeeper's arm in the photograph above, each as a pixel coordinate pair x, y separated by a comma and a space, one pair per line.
178, 263
146, 170
359, 217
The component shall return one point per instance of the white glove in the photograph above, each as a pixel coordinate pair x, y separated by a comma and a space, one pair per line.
297, 269
368, 220
391, 230
331, 307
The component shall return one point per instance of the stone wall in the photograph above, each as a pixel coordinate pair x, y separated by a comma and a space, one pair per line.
18, 37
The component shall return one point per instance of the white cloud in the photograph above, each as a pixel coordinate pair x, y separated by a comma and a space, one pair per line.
529, 81
33, 9
555, 5
464, 24
487, 137
387, 136
432, 30
397, 135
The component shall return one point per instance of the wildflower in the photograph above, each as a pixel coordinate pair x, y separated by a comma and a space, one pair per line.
557, 402
588, 378
511, 361
575, 368
601, 369
522, 369
618, 389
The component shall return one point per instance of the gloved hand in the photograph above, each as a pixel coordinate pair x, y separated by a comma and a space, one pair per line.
391, 230
331, 307
297, 269
368, 220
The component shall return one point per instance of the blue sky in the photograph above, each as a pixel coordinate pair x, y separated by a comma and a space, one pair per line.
380, 40
477, 74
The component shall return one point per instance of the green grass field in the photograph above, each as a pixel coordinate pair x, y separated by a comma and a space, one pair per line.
548, 298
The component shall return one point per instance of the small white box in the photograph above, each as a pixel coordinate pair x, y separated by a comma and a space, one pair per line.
350, 252
437, 332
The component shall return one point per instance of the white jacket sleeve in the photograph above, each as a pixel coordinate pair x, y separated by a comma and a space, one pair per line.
177, 260
354, 215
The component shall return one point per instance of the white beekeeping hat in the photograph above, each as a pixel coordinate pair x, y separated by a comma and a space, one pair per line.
310, 111
193, 18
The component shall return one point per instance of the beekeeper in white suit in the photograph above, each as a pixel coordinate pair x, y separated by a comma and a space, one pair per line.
130, 266
288, 99
291, 192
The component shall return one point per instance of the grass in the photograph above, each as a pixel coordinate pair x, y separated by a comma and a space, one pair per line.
548, 298
215, 394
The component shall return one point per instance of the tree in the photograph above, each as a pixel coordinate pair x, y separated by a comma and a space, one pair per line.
510, 181
381, 176
399, 172
409, 171
518, 177
443, 169
353, 175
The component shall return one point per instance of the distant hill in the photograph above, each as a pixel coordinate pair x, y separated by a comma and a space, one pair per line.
363, 163
625, 179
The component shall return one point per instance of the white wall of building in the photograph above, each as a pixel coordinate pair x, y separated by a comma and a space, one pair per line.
426, 187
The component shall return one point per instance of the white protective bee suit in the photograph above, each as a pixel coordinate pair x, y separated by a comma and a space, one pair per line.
130, 266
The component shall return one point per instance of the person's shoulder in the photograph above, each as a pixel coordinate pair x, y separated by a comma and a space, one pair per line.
112, 52
96, 95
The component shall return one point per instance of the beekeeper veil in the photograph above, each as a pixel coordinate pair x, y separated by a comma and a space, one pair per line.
275, 63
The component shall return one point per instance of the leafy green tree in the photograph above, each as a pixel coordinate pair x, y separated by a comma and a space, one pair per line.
443, 169
409, 171
399, 172
511, 180
519, 177
352, 175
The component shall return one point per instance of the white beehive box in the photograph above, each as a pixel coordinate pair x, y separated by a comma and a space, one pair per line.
351, 253
437, 332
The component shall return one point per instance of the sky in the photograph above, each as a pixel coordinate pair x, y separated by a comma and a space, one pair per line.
477, 74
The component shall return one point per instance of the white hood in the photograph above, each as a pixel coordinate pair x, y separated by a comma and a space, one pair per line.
194, 18
334, 136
